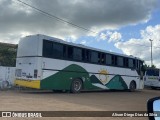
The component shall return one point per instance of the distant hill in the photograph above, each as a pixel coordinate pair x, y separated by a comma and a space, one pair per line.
8, 54
8, 45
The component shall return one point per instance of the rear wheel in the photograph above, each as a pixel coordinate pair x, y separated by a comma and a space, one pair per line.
76, 86
132, 86
153, 88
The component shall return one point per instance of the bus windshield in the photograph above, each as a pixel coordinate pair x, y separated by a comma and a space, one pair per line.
152, 72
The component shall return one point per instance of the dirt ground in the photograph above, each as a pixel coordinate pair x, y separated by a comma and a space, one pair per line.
33, 100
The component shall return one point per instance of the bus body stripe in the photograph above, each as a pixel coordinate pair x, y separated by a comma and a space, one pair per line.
28, 83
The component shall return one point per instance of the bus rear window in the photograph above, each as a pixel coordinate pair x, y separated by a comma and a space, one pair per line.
152, 72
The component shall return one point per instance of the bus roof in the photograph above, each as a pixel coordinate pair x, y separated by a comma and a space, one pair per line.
79, 45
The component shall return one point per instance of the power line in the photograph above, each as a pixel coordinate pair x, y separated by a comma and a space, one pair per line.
53, 16
65, 21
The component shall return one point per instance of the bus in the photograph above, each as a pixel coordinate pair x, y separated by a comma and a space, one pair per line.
50, 63
152, 78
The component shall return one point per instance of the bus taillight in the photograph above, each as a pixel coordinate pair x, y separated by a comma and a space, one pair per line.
35, 73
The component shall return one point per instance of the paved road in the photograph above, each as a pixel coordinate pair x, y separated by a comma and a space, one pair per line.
87, 101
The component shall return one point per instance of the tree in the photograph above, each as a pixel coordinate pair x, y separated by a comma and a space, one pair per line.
8, 54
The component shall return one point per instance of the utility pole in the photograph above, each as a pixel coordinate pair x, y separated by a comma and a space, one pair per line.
151, 52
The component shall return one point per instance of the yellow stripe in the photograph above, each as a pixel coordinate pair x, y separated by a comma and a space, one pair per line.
28, 83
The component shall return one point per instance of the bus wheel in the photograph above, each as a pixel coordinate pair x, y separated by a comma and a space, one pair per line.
153, 88
132, 86
76, 86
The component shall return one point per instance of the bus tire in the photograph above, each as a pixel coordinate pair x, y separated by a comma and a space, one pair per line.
76, 85
132, 86
153, 88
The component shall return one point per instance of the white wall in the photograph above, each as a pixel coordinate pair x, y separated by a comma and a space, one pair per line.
7, 74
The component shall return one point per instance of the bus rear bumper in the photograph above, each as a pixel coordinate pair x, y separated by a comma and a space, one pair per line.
28, 83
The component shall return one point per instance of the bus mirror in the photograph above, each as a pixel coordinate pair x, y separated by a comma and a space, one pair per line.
153, 106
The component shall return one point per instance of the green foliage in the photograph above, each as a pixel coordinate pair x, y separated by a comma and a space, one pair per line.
148, 66
8, 54
153, 66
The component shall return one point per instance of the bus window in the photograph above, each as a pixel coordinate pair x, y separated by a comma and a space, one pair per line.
134, 63
77, 54
102, 59
120, 61
94, 57
125, 62
57, 50
108, 59
152, 72
99, 58
64, 51
131, 63
87, 55
70, 52
113, 60
83, 55
156, 72
47, 48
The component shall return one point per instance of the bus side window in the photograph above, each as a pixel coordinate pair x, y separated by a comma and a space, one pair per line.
113, 60
57, 50
120, 61
94, 57
83, 55
130, 63
77, 54
99, 58
134, 63
47, 48
108, 59
103, 58
64, 51
87, 55
126, 62
70, 52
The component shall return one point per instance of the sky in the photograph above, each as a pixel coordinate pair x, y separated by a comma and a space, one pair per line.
121, 26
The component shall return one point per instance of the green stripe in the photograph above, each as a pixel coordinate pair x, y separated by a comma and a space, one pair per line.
62, 80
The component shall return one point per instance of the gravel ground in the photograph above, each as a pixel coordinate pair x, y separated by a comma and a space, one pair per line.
34, 100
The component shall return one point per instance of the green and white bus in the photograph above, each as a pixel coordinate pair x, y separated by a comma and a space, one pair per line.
49, 63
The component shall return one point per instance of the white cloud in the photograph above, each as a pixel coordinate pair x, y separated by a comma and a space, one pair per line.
103, 36
83, 42
71, 38
95, 15
110, 36
141, 47
115, 37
